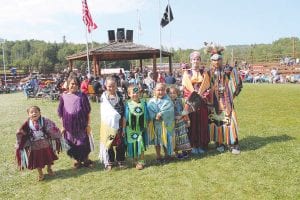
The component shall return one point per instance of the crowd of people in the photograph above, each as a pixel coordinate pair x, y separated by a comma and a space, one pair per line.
178, 121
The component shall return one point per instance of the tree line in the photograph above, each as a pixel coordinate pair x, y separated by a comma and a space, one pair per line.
46, 57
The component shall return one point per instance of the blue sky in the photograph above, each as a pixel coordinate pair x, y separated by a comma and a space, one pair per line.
226, 22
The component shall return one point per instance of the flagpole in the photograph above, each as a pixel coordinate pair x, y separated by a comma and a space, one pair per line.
138, 26
138, 32
90, 25
160, 53
169, 19
91, 35
87, 52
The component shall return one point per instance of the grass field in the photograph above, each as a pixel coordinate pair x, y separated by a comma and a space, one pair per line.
267, 168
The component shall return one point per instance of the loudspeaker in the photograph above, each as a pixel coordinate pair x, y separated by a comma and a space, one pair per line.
129, 35
120, 34
111, 36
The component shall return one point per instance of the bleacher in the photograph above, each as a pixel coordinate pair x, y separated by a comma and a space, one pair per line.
265, 68
10, 79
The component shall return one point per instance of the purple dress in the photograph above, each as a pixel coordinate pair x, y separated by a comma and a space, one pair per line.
74, 110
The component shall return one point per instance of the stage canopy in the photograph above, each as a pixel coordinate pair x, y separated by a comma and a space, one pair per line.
120, 51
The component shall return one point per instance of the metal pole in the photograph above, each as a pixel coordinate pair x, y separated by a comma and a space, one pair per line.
138, 26
2, 42
160, 53
87, 53
169, 19
138, 32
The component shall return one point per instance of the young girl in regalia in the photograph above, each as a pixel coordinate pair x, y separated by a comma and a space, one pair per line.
38, 139
182, 122
136, 116
161, 112
112, 127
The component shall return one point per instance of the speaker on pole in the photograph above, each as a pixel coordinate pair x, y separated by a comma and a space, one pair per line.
129, 35
111, 36
120, 34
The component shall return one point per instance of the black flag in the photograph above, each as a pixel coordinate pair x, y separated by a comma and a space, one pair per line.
166, 19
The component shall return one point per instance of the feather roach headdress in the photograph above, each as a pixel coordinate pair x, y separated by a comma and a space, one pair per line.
214, 50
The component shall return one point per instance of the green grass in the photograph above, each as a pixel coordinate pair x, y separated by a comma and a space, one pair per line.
267, 168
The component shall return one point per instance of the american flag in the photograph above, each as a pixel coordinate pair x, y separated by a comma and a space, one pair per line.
87, 18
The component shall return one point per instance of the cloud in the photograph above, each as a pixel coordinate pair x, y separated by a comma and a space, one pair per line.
47, 11
47, 19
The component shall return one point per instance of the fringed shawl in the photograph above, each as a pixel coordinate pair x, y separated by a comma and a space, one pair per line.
166, 108
109, 122
189, 78
109, 125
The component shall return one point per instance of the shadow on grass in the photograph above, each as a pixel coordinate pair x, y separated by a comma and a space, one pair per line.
255, 142
151, 158
74, 173
247, 144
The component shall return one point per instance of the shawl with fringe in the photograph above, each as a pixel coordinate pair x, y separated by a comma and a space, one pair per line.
166, 108
109, 125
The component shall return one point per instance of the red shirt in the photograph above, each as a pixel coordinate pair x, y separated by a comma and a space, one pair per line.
84, 86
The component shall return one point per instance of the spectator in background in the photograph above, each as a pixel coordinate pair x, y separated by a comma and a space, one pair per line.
149, 82
117, 78
124, 83
170, 79
161, 78
35, 84
97, 86
102, 82
84, 85
275, 76
132, 79
138, 75
121, 73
